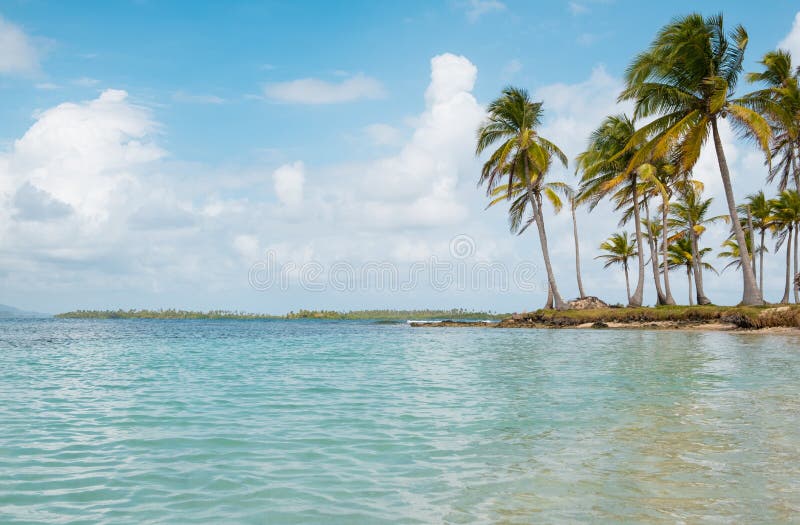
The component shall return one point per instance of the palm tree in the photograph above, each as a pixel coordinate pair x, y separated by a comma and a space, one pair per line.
680, 254
573, 199
523, 156
604, 171
785, 223
518, 218
759, 209
780, 103
686, 79
652, 231
689, 217
731, 251
620, 248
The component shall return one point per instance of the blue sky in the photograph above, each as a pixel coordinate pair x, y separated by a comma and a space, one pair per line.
158, 151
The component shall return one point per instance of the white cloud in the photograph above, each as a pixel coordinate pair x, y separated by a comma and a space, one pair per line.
191, 98
46, 86
478, 8
19, 56
572, 111
316, 91
90, 203
382, 134
418, 185
81, 153
289, 180
791, 42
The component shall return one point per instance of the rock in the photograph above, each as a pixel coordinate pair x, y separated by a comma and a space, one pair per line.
587, 303
599, 324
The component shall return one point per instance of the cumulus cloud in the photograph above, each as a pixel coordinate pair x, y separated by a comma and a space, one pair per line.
382, 134
791, 42
81, 153
317, 91
34, 204
19, 56
423, 177
288, 181
91, 201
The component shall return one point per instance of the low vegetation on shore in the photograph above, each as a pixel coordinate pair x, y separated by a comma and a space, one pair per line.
400, 315
747, 317
662, 317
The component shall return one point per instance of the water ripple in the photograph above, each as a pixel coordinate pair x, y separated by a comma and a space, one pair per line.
348, 422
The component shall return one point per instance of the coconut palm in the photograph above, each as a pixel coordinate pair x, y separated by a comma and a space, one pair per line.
785, 224
603, 166
686, 80
680, 255
731, 251
779, 101
519, 219
523, 156
759, 209
652, 232
649, 188
573, 200
619, 247
689, 218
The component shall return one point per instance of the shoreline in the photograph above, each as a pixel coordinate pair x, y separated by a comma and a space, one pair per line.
766, 319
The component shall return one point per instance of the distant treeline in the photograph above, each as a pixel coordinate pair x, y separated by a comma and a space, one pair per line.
455, 313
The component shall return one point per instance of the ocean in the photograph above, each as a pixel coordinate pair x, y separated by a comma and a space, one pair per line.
158, 421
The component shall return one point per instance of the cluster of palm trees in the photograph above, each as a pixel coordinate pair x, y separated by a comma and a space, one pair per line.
682, 86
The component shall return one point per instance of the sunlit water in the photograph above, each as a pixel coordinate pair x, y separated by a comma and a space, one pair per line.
354, 422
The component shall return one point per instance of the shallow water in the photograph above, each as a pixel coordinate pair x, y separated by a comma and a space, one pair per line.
135, 421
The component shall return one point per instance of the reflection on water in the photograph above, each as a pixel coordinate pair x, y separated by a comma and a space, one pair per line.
343, 422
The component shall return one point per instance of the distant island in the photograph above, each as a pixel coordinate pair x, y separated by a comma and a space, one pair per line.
400, 315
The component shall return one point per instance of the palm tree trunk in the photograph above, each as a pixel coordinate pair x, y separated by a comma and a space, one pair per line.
660, 298
664, 246
551, 278
636, 299
548, 305
785, 299
750, 294
761, 265
627, 282
698, 269
689, 275
577, 253
797, 171
796, 294
751, 247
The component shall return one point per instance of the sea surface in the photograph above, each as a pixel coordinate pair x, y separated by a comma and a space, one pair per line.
137, 421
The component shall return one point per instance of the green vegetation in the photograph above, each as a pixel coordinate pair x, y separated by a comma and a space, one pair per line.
750, 317
522, 158
399, 315
161, 314
682, 87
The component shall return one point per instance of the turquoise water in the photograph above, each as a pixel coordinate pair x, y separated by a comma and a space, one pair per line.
351, 422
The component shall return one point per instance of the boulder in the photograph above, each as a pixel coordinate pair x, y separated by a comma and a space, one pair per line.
587, 303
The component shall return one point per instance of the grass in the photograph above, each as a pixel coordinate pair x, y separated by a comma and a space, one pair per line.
742, 316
